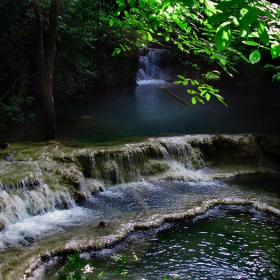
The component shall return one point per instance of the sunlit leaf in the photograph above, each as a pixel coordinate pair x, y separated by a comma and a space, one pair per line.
223, 36
149, 36
191, 91
251, 43
194, 100
111, 22
255, 57
275, 51
181, 77
207, 96
166, 6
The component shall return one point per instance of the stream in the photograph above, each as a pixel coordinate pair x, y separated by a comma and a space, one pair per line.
126, 206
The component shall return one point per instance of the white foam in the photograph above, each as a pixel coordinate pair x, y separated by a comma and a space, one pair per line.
151, 82
36, 227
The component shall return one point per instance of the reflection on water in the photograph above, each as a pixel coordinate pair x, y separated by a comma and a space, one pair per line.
228, 242
146, 110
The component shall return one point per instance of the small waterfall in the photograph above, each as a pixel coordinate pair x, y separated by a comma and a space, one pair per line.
30, 197
153, 65
131, 163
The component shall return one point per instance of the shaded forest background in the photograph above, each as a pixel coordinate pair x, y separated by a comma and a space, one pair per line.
84, 62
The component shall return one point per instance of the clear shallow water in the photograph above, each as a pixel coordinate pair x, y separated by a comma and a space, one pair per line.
148, 111
228, 242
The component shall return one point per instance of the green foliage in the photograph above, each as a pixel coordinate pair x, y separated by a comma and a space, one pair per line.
83, 59
202, 91
276, 76
15, 62
75, 263
224, 31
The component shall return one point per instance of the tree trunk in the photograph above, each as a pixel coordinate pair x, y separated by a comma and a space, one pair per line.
46, 63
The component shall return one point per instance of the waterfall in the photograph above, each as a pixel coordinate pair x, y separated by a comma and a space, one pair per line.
153, 65
19, 202
41, 193
131, 163
58, 191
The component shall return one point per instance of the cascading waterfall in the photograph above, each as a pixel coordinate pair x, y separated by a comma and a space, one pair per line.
20, 202
133, 185
101, 168
153, 66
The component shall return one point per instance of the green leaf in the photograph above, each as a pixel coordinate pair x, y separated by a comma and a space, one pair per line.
142, 4
149, 36
143, 14
165, 6
207, 96
244, 31
178, 82
263, 33
200, 100
116, 51
188, 3
119, 10
255, 56
218, 17
191, 91
111, 22
194, 100
155, 25
249, 18
223, 36
275, 51
181, 77
131, 3
251, 43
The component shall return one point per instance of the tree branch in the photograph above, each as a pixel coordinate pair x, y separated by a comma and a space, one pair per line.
164, 88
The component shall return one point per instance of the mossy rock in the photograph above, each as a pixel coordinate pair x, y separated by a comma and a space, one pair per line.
154, 167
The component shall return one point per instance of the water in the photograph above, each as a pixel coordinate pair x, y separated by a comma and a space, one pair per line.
228, 242
148, 111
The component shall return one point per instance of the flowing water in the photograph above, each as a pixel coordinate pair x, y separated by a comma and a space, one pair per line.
211, 243
227, 242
